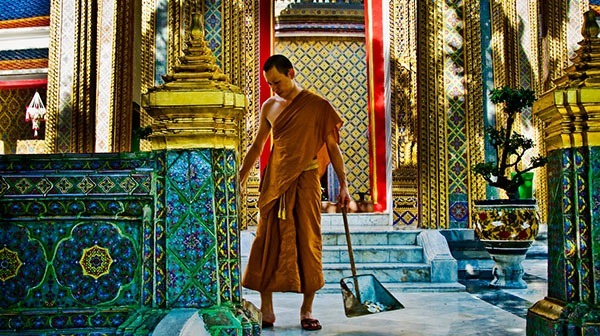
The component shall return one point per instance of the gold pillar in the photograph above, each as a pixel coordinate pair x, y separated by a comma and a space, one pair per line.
90, 90
433, 156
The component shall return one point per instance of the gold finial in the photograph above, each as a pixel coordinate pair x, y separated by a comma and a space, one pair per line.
590, 28
197, 29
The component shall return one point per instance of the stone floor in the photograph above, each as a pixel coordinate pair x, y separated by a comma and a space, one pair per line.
479, 310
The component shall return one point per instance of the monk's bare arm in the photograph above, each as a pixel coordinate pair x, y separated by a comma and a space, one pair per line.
337, 161
264, 128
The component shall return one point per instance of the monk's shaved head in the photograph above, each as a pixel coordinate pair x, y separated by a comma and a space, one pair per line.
279, 62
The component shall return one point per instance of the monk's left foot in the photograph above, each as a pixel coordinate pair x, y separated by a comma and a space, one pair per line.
310, 324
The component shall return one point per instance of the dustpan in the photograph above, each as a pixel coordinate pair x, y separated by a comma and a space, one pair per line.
364, 294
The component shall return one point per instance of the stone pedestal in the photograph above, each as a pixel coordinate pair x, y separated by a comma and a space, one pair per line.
508, 270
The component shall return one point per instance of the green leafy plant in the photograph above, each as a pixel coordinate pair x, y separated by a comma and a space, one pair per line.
509, 146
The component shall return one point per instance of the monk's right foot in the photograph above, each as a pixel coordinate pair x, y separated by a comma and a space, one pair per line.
268, 321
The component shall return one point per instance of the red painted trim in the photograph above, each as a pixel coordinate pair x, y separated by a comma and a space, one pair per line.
376, 82
266, 35
24, 84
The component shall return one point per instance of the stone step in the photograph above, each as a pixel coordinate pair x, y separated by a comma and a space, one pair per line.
373, 254
356, 220
384, 272
378, 236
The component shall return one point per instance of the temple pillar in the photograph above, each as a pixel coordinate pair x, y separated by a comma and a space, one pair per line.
197, 115
89, 108
571, 113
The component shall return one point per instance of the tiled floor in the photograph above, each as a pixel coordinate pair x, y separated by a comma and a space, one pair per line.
479, 310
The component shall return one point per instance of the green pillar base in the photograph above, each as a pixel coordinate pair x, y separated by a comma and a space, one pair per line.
550, 317
242, 320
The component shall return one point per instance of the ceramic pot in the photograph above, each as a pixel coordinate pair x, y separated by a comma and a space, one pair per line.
507, 228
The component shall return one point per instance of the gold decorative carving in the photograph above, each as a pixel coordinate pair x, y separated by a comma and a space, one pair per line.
403, 53
432, 157
474, 103
251, 80
548, 308
148, 45
95, 261
10, 264
403, 49
122, 82
52, 101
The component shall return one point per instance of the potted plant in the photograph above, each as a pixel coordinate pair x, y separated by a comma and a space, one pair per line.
509, 146
507, 227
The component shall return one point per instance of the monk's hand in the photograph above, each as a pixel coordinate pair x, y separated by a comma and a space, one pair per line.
344, 197
242, 178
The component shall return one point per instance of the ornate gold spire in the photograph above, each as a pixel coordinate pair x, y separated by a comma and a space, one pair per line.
196, 106
585, 70
198, 68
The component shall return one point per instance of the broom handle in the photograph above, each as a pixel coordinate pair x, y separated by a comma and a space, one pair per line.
350, 253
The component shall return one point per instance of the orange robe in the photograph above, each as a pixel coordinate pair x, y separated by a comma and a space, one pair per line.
286, 255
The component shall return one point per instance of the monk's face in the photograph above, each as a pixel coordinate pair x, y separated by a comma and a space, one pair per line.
281, 84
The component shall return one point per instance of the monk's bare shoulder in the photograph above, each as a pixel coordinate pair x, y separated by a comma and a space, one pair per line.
272, 107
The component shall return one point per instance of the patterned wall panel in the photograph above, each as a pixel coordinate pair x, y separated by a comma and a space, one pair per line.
455, 93
573, 215
475, 41
72, 239
249, 195
202, 263
12, 117
336, 68
594, 241
213, 28
105, 117
224, 163
403, 51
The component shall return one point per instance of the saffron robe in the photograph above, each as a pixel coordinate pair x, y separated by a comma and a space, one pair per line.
286, 255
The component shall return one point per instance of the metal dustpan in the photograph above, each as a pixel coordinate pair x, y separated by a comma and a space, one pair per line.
364, 294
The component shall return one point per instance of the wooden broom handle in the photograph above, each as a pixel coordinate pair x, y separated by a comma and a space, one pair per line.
350, 253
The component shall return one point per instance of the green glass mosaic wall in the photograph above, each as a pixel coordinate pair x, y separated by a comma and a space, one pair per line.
109, 243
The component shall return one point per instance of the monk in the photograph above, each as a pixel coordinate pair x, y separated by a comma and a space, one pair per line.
286, 253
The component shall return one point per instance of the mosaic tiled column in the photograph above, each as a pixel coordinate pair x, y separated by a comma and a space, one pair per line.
197, 114
572, 116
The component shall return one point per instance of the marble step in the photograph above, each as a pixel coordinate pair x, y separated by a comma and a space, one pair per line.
374, 236
373, 254
384, 272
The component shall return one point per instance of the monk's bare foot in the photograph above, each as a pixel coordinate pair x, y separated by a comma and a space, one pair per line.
266, 308
268, 320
